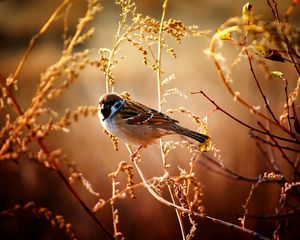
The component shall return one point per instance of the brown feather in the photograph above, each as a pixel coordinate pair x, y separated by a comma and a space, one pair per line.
137, 113
189, 133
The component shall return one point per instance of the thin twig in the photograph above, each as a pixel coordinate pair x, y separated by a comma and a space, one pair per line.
272, 144
245, 206
287, 102
158, 74
119, 39
54, 161
36, 37
182, 209
281, 150
297, 162
290, 52
276, 216
274, 9
290, 10
270, 5
212, 47
259, 88
159, 49
232, 174
113, 209
245, 124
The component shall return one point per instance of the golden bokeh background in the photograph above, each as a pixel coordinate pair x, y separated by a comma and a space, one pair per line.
92, 151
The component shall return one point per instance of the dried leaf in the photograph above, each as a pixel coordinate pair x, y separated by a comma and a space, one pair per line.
277, 74
247, 13
267, 53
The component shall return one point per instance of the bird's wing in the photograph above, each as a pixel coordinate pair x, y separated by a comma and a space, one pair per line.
136, 113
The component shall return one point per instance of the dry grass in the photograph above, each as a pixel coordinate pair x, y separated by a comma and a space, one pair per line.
27, 131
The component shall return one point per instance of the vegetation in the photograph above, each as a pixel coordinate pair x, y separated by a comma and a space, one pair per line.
247, 50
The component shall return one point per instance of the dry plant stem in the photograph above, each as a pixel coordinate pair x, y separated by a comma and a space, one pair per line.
184, 210
281, 151
212, 47
290, 10
259, 88
297, 162
158, 71
275, 216
149, 48
267, 141
233, 175
291, 54
127, 189
35, 38
159, 48
118, 41
83, 22
245, 124
287, 102
289, 48
245, 206
271, 151
113, 207
56, 221
65, 21
177, 213
191, 172
54, 162
225, 173
120, 193
274, 9
110, 60
172, 198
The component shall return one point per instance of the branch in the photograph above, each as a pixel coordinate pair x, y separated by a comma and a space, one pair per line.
290, 10
54, 161
259, 88
272, 144
36, 37
245, 124
226, 81
184, 210
275, 216
281, 150
233, 175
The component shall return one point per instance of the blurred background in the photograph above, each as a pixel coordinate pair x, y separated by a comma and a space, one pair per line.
92, 151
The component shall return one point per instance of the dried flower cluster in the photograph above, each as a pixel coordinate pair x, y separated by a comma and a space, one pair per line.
56, 221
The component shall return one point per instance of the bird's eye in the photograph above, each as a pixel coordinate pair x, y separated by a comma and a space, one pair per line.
117, 104
105, 110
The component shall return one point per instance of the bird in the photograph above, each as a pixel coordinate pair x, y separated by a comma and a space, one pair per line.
137, 124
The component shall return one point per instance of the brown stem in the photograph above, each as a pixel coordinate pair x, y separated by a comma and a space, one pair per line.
259, 88
55, 162
272, 144
245, 124
276, 216
233, 175
287, 102
290, 10
188, 211
281, 150
35, 38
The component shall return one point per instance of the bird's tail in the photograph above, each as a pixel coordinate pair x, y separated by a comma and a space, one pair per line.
189, 133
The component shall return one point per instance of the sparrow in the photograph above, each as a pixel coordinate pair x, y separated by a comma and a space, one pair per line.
137, 124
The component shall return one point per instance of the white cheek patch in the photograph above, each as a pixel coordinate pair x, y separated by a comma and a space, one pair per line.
100, 116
